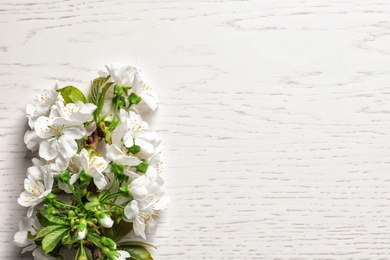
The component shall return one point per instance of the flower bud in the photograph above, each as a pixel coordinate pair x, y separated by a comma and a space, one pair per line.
58, 204
71, 214
105, 220
82, 229
118, 90
134, 98
50, 196
108, 242
105, 250
54, 212
118, 255
84, 191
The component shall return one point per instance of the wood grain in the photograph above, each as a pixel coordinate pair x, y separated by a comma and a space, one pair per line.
275, 116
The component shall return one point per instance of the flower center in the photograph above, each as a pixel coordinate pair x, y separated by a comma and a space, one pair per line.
56, 130
70, 109
43, 99
36, 189
146, 87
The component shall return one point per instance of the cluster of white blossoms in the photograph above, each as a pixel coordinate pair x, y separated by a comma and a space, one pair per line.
98, 175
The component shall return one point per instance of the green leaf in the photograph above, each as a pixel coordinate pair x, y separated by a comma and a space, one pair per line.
72, 94
121, 229
135, 243
137, 252
73, 239
51, 240
100, 101
43, 232
96, 85
47, 218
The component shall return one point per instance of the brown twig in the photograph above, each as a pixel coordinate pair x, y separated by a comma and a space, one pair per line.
96, 253
95, 138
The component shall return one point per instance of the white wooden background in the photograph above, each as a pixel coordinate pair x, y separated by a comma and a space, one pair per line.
275, 116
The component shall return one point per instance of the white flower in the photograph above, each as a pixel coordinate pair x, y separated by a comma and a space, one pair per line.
59, 137
21, 238
130, 76
147, 187
38, 170
123, 255
35, 192
78, 112
94, 166
39, 254
74, 168
147, 192
42, 104
138, 133
115, 154
142, 217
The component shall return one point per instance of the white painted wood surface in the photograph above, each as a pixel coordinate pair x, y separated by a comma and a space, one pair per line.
275, 116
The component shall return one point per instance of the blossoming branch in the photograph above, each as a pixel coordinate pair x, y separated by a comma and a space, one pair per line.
98, 175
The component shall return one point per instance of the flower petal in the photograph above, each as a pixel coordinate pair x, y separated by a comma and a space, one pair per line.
48, 149
84, 159
32, 140
21, 239
36, 172
146, 147
139, 228
98, 178
61, 163
151, 99
67, 146
131, 210
151, 226
30, 211
42, 128
48, 181
75, 130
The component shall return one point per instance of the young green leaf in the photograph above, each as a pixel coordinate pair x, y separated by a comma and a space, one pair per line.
72, 94
73, 239
100, 101
51, 240
96, 85
50, 219
43, 232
